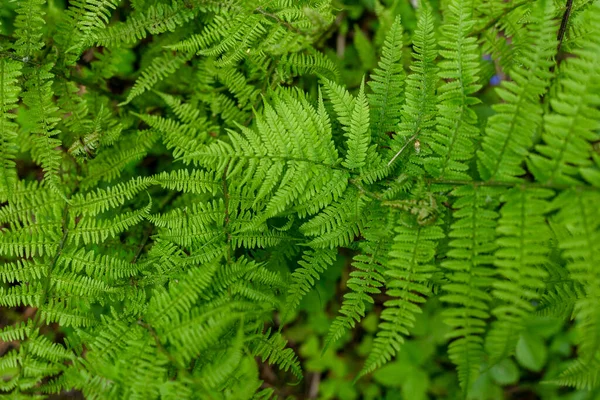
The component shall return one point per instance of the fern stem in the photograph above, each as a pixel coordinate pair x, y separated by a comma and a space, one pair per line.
403, 147
291, 27
563, 24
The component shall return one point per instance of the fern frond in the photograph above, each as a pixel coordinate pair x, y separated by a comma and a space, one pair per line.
186, 181
22, 271
28, 27
202, 329
88, 17
9, 91
309, 62
359, 135
560, 300
38, 97
509, 133
41, 347
343, 102
453, 142
507, 38
90, 229
15, 332
159, 69
68, 283
108, 165
101, 200
30, 240
65, 313
471, 251
180, 296
272, 347
338, 223
387, 84
580, 375
523, 243
410, 270
158, 18
312, 265
580, 216
74, 109
572, 127
96, 265
23, 295
419, 109
216, 376
368, 276
182, 138
287, 166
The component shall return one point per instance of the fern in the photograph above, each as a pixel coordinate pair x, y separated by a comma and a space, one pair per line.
410, 270
28, 24
452, 144
523, 252
470, 258
38, 97
9, 72
419, 109
387, 83
573, 128
580, 249
177, 176
367, 277
510, 133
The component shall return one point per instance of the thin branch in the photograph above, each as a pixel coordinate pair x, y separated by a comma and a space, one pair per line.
563, 24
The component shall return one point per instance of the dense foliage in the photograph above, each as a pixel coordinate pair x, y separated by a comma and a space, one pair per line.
300, 198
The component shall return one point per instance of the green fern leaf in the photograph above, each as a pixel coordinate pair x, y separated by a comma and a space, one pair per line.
571, 128
28, 27
387, 83
359, 136
419, 109
409, 271
9, 92
312, 265
523, 248
509, 133
453, 142
471, 252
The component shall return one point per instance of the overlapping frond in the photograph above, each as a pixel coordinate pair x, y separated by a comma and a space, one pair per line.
510, 132
367, 278
46, 146
409, 271
173, 183
572, 127
579, 215
387, 84
453, 143
156, 19
9, 91
469, 262
312, 265
289, 167
419, 109
29, 23
523, 247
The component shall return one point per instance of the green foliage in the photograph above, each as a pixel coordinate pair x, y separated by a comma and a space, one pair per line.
202, 200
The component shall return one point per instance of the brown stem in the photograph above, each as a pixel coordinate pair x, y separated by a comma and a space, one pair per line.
563, 24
